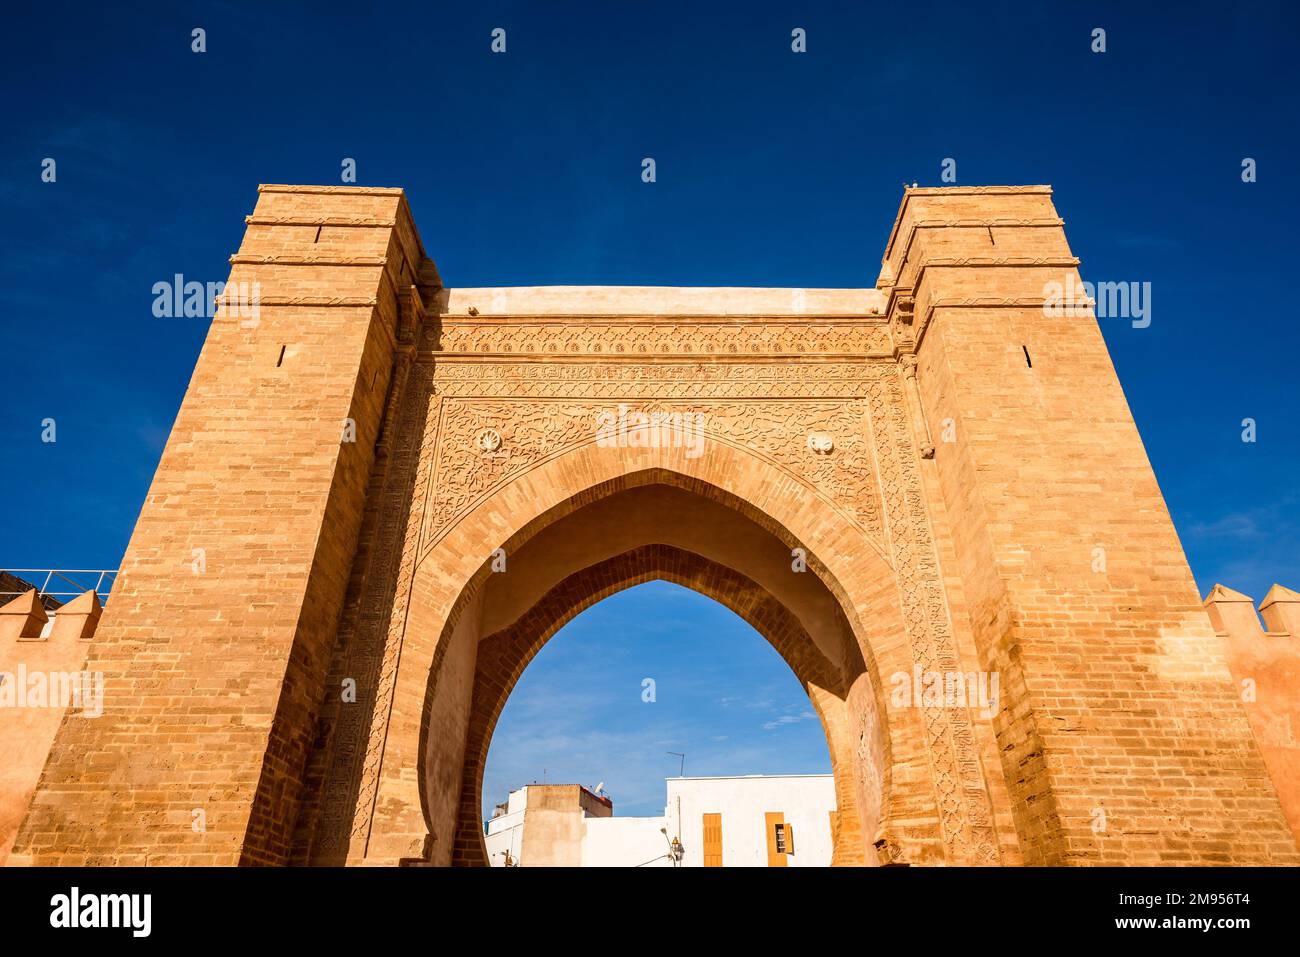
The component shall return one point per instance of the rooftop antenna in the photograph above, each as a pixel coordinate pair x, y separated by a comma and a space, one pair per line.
682, 772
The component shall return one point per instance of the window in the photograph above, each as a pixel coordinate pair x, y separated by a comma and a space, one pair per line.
780, 839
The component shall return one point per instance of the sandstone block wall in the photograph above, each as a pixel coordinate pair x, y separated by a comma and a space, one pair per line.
1122, 737
215, 646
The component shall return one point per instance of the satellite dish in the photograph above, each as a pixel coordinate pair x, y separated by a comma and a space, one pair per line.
599, 787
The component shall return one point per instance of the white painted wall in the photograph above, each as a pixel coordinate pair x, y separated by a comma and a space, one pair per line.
505, 832
806, 801
624, 842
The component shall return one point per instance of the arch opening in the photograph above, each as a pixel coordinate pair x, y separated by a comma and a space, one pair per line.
680, 709
650, 525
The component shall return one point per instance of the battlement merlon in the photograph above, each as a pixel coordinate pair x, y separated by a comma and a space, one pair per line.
1265, 668
1281, 610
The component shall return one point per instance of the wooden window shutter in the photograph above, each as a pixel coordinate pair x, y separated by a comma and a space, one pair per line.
770, 820
713, 840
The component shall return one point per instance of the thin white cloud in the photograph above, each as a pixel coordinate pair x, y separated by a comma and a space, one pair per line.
788, 719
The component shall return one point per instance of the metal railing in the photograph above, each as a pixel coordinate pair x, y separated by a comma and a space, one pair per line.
60, 584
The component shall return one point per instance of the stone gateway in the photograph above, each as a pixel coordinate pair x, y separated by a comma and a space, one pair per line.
910, 479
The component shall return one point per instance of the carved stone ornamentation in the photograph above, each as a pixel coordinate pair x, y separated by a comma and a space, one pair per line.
820, 443
542, 429
687, 336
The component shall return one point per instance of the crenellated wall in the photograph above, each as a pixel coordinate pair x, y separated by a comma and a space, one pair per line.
41, 662
1266, 667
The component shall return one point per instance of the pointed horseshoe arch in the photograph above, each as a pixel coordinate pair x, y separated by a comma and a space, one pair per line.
503, 656
584, 524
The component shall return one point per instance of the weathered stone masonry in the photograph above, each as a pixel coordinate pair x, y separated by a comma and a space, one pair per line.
948, 499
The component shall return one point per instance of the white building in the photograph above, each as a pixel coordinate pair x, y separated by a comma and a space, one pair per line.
749, 821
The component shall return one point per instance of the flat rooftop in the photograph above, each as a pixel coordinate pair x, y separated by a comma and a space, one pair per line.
748, 777
738, 301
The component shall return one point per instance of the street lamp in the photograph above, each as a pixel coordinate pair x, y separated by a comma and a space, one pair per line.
676, 850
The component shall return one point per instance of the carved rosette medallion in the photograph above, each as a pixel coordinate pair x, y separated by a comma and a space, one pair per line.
820, 443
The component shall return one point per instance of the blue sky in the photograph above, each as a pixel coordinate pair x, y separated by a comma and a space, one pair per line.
723, 697
773, 169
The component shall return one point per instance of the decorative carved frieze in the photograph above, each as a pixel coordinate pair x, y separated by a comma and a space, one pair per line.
644, 338
964, 807
534, 431
674, 378
323, 259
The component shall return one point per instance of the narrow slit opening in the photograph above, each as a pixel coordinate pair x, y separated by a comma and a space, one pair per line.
1029, 362
280, 361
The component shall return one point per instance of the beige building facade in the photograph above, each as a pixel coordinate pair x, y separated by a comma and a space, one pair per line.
400, 491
